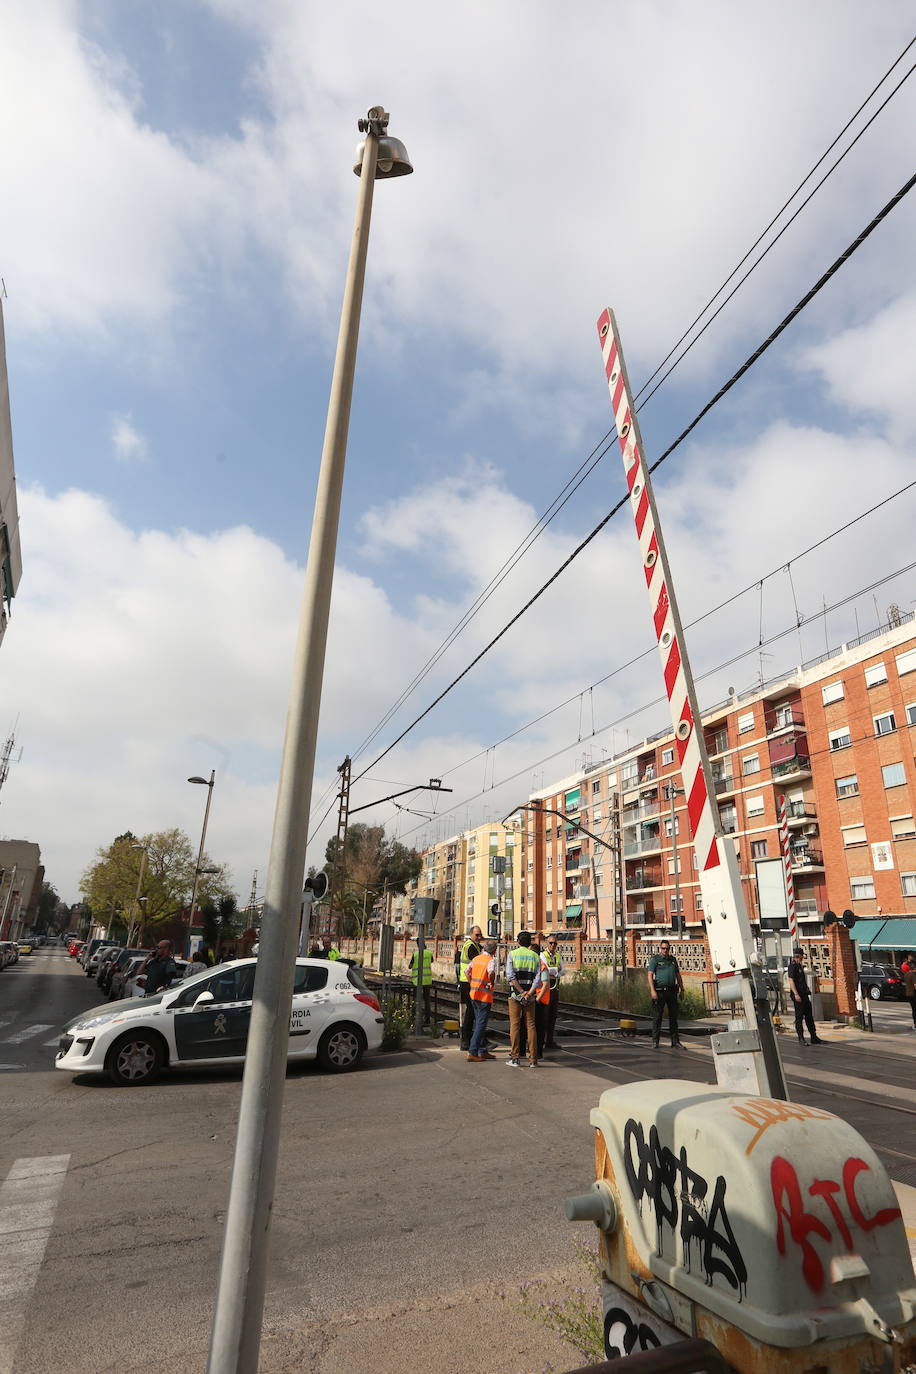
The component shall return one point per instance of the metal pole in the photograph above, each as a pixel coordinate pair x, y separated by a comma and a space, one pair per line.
200, 852
678, 922
133, 910
237, 1318
420, 955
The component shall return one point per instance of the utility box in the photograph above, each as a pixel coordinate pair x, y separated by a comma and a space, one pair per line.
766, 1227
386, 949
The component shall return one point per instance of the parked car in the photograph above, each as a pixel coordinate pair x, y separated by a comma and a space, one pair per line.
204, 1022
882, 980
124, 976
107, 956
127, 959
25, 947
74, 947
90, 948
9, 953
91, 965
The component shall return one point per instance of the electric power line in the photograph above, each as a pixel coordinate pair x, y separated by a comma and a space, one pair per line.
723, 390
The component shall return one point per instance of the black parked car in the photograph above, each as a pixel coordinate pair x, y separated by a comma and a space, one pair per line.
882, 980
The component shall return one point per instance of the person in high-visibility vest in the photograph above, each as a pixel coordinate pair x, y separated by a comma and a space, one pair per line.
541, 1000
469, 950
481, 980
523, 974
331, 951
552, 964
427, 977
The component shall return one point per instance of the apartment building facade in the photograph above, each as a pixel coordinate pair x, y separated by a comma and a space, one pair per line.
10, 553
835, 737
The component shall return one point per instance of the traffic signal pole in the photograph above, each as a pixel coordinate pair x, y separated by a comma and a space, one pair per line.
746, 1056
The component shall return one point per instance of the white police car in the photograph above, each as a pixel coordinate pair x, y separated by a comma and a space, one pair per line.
204, 1020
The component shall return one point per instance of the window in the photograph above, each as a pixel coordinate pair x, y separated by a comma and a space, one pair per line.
875, 675
885, 724
893, 775
550, 861
677, 904
853, 834
754, 806
599, 877
750, 764
677, 826
729, 817
833, 692
530, 865
908, 883
758, 849
596, 815
847, 787
745, 723
840, 739
906, 663
911, 713
785, 715
862, 889
698, 901
671, 866
667, 757
229, 985
902, 827
596, 787
310, 979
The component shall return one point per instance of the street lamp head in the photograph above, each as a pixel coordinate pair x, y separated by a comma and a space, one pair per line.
392, 159
204, 781
435, 782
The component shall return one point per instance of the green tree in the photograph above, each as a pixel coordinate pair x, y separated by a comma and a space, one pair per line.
110, 882
372, 864
48, 903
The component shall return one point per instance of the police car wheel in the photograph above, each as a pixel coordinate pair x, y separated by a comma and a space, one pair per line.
134, 1059
874, 992
340, 1049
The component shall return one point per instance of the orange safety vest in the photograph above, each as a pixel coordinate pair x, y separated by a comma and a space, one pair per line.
479, 978
543, 993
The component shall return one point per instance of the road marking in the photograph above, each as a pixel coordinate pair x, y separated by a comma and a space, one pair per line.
47, 1044
26, 1034
28, 1202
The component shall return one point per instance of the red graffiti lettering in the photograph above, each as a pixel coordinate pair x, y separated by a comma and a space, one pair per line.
851, 1169
784, 1185
802, 1225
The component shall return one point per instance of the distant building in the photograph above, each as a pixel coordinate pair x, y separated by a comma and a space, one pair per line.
21, 876
10, 552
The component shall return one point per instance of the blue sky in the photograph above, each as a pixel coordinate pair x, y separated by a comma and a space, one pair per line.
179, 199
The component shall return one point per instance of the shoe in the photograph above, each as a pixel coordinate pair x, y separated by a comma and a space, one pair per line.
532, 1064
514, 1063
465, 1049
487, 1055
477, 1058
816, 1040
552, 1044
676, 1045
802, 1040
655, 1044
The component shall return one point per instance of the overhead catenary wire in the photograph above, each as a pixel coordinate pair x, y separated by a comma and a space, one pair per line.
662, 699
714, 400
591, 462
689, 625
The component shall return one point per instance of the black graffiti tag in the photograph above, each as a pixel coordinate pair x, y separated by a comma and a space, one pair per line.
623, 1335
678, 1193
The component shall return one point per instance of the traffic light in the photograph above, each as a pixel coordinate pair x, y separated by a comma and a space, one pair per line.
494, 909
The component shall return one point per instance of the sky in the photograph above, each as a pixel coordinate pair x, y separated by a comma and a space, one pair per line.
177, 211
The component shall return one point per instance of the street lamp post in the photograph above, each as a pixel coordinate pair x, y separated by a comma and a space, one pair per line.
208, 783
236, 1336
135, 908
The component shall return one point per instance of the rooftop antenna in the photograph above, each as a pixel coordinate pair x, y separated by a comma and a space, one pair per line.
253, 894
6, 753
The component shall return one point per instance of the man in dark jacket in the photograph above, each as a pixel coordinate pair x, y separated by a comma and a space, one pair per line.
801, 997
160, 968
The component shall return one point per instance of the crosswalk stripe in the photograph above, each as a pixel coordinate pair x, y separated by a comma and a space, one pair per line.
28, 1202
25, 1034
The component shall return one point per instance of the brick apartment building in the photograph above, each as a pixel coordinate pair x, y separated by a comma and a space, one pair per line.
835, 737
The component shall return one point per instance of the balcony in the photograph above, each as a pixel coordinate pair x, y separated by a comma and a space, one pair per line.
641, 882
573, 861
723, 783
806, 909
807, 857
717, 743
799, 812
643, 812
649, 844
646, 915
785, 718
647, 775
798, 766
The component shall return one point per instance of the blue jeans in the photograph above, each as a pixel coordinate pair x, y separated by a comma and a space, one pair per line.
481, 1017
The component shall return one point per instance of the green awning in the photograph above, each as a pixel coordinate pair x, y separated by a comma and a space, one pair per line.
573, 911
571, 800
895, 932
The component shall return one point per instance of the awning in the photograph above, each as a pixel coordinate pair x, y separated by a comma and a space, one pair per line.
895, 932
573, 912
571, 800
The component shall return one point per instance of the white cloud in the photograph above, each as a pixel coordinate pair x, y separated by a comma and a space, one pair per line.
129, 444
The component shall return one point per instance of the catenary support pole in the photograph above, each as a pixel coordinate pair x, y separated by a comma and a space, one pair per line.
237, 1319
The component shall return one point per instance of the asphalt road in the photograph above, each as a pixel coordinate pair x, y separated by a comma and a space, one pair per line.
410, 1194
